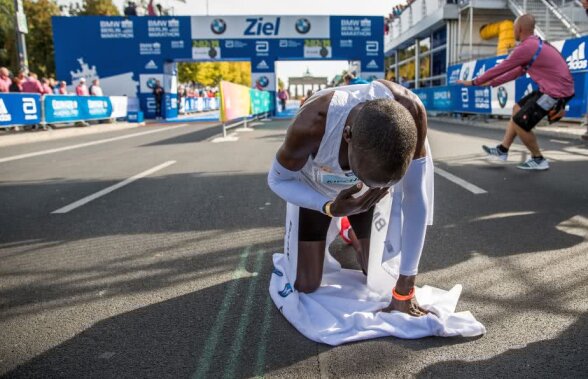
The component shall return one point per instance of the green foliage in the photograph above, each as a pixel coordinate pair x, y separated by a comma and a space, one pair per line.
40, 37
211, 73
7, 35
95, 8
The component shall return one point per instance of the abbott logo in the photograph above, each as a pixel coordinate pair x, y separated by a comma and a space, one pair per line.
29, 108
4, 115
577, 61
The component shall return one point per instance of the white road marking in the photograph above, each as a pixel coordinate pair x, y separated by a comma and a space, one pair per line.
460, 182
114, 187
560, 141
504, 215
98, 142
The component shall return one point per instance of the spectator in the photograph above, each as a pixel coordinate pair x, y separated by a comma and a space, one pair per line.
308, 95
350, 79
81, 89
54, 85
158, 93
32, 84
151, 9
585, 123
283, 97
62, 88
16, 85
5, 80
403, 82
130, 9
95, 89
47, 90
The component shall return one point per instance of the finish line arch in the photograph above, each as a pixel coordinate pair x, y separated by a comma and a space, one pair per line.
128, 53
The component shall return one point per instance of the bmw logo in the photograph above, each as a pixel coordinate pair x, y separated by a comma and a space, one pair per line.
218, 26
302, 25
263, 81
212, 53
502, 96
151, 82
466, 72
324, 52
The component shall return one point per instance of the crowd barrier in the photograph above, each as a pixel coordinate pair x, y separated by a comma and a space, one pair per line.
198, 104
20, 109
17, 109
500, 100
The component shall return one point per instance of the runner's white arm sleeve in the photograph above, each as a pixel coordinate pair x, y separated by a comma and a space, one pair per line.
414, 212
289, 186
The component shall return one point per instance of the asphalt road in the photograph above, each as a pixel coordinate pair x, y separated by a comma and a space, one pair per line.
144, 280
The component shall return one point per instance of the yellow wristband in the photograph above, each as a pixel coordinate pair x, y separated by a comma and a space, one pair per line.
328, 208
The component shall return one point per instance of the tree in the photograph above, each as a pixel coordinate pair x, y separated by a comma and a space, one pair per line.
281, 84
7, 34
95, 8
211, 73
40, 36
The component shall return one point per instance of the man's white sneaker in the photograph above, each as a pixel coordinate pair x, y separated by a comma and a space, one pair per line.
534, 164
494, 154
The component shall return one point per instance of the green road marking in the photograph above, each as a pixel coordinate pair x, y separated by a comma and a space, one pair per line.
244, 320
213, 338
261, 349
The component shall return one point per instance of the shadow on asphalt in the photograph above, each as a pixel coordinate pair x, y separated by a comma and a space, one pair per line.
168, 339
200, 135
561, 357
199, 203
175, 338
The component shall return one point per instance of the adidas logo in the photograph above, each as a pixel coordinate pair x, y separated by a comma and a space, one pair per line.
528, 90
577, 61
262, 65
372, 64
482, 70
151, 65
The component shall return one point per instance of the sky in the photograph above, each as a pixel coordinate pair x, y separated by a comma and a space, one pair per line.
280, 7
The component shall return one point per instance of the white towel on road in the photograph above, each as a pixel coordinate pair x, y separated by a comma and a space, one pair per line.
346, 309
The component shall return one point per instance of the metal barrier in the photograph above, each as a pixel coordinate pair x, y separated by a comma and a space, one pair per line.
242, 121
20, 109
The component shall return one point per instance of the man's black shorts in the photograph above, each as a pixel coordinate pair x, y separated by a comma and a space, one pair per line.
530, 113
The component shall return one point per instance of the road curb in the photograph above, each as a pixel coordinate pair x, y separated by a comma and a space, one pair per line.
574, 133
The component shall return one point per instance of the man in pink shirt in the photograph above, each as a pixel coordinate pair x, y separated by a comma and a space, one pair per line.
62, 88
549, 70
5, 81
32, 84
81, 89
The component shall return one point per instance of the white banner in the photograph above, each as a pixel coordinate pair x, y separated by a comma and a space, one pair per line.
260, 27
147, 82
503, 99
119, 106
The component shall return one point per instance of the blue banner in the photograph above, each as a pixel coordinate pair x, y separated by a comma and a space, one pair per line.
19, 109
60, 108
476, 101
171, 105
128, 54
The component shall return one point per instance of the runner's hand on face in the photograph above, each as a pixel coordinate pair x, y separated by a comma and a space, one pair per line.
345, 204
